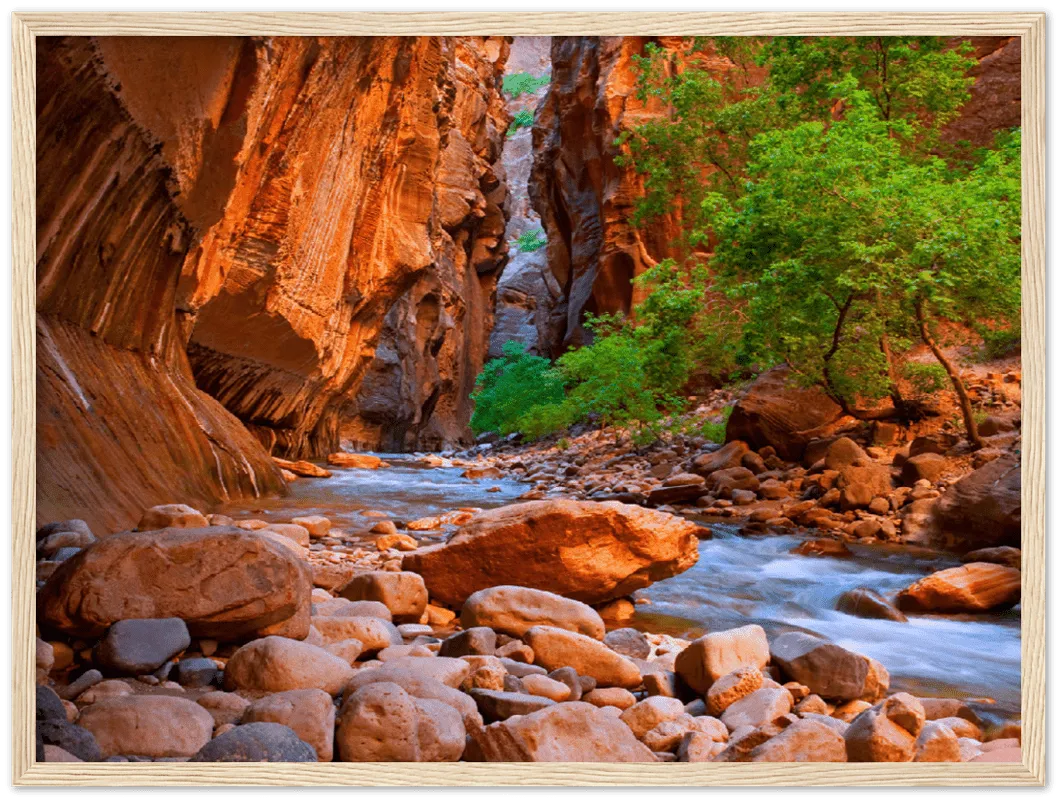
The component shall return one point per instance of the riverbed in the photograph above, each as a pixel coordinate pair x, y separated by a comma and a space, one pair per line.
738, 580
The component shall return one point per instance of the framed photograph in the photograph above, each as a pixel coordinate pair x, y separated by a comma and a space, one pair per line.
538, 398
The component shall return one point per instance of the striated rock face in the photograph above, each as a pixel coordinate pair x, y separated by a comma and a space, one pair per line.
120, 424
367, 215
248, 221
585, 200
996, 97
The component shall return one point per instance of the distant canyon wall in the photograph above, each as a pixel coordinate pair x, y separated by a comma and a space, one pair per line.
229, 229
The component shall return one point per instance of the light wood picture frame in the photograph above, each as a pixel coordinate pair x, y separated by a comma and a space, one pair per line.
1028, 26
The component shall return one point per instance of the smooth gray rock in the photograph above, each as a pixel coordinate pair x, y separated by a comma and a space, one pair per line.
196, 672
140, 646
257, 741
74, 739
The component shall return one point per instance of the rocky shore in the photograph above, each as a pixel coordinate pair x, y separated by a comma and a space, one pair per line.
297, 641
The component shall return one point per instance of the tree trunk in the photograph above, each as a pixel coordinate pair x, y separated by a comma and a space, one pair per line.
957, 382
829, 385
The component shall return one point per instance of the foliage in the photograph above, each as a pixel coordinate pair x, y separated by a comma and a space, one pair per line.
520, 83
925, 378
530, 241
511, 385
523, 119
714, 431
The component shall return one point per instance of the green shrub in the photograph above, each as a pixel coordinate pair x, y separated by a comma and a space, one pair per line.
530, 241
926, 378
512, 385
523, 119
520, 83
715, 431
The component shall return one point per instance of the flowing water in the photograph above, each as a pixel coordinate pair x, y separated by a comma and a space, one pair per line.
737, 581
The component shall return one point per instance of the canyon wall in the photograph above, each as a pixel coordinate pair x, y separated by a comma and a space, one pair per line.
228, 228
586, 200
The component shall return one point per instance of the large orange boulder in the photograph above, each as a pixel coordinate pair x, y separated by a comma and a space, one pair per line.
225, 583
591, 552
969, 588
777, 411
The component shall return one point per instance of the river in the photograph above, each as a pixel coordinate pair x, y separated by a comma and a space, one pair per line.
738, 580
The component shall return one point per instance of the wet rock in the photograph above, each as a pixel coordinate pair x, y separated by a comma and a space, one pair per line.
318, 526
173, 573
355, 461
555, 647
716, 654
382, 722
296, 533
869, 604
308, 712
138, 646
304, 469
515, 609
557, 733
277, 664
404, 593
828, 670
257, 742
727, 457
628, 642
822, 547
589, 551
177, 727
970, 588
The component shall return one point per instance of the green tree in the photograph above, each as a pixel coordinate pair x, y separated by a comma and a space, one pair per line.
510, 386
846, 245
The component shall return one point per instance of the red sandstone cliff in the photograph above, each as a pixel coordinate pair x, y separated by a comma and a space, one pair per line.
586, 201
243, 215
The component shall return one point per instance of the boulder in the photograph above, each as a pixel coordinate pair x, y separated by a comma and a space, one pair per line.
1005, 556
308, 712
423, 686
176, 515
714, 655
355, 461
545, 686
318, 526
555, 647
725, 482
257, 742
276, 664
651, 712
224, 583
373, 633
869, 604
74, 739
628, 642
557, 733
479, 641
828, 670
226, 708
982, 509
515, 609
592, 552
886, 732
156, 726
970, 588
495, 705
925, 466
757, 708
305, 469
804, 740
382, 722
448, 671
341, 607
776, 411
196, 672
734, 686
139, 646
404, 593
729, 456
